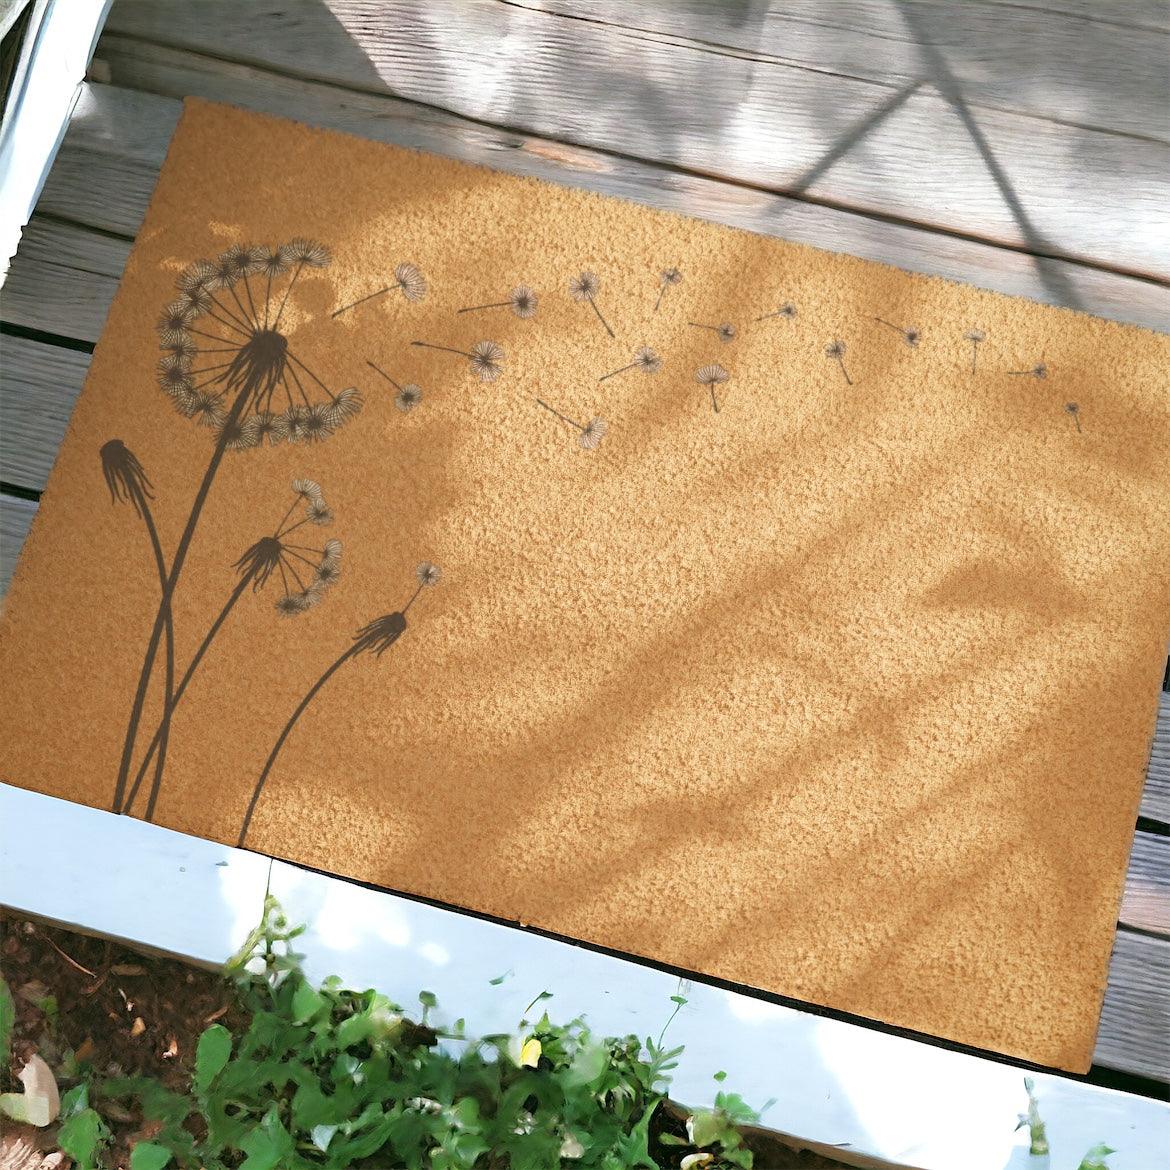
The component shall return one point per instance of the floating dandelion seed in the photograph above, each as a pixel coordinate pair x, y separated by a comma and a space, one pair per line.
667, 278
589, 435
584, 287
976, 337
836, 351
374, 638
910, 336
305, 573
788, 309
645, 359
1039, 370
725, 332
173, 323
712, 375
486, 357
1073, 409
407, 278
407, 397
521, 300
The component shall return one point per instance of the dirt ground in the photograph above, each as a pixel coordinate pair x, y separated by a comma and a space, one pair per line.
131, 1013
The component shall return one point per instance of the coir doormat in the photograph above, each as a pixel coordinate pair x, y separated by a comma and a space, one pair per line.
766, 612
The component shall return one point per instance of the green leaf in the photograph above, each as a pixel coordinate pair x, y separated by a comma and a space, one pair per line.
306, 1003
706, 1127
427, 999
1094, 1159
148, 1156
74, 1101
721, 1076
81, 1137
7, 1019
212, 1053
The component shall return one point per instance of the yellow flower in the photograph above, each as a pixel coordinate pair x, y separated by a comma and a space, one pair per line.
530, 1053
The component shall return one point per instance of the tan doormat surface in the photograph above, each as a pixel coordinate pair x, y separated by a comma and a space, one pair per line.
766, 612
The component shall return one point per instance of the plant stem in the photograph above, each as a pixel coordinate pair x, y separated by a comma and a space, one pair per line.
600, 317
562, 417
168, 592
444, 348
179, 690
476, 308
379, 370
661, 294
329, 673
362, 300
287, 291
614, 373
848, 380
714, 400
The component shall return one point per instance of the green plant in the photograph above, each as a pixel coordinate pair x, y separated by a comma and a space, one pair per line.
326, 1077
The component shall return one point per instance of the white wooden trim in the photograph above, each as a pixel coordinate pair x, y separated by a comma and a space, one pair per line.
867, 1092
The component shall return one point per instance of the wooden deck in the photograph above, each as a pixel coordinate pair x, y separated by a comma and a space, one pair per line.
1020, 146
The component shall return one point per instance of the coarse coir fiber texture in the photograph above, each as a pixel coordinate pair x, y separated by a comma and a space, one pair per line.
828, 665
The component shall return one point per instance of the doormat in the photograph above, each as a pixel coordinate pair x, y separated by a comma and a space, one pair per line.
761, 611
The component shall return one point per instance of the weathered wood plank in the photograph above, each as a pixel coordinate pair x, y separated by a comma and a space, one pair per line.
38, 385
16, 517
95, 184
62, 279
1052, 189
1060, 65
1146, 904
1156, 797
1134, 1034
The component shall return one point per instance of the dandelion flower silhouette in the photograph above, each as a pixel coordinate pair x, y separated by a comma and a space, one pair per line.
408, 398
379, 635
725, 332
667, 278
584, 287
788, 309
836, 351
1073, 409
589, 435
975, 337
910, 336
712, 375
521, 300
645, 359
125, 476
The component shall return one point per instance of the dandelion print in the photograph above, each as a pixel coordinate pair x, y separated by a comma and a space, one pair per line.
910, 336
1038, 371
228, 367
645, 359
589, 435
1071, 408
976, 337
406, 397
407, 279
788, 309
305, 571
836, 351
486, 357
584, 288
521, 300
374, 638
667, 278
725, 332
711, 376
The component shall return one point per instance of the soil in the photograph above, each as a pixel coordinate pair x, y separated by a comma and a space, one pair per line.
131, 1013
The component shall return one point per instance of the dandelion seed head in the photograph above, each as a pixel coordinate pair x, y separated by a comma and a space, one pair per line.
1040, 370
711, 374
172, 360
1071, 407
180, 344
308, 253
788, 309
428, 574
263, 424
174, 321
292, 604
486, 359
584, 286
173, 378
835, 350
669, 276
408, 398
314, 423
275, 261
327, 574
331, 553
912, 336
726, 331
307, 489
237, 436
197, 277
592, 433
647, 360
523, 301
345, 406
411, 281
975, 335
206, 409
318, 512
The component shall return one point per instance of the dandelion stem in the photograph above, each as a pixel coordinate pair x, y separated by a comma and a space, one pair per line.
292, 357
287, 291
209, 637
476, 308
841, 363
601, 318
215, 337
243, 311
330, 671
415, 594
614, 373
890, 325
251, 303
714, 400
562, 417
974, 354
444, 348
228, 324
242, 398
379, 370
661, 294
268, 298
362, 301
